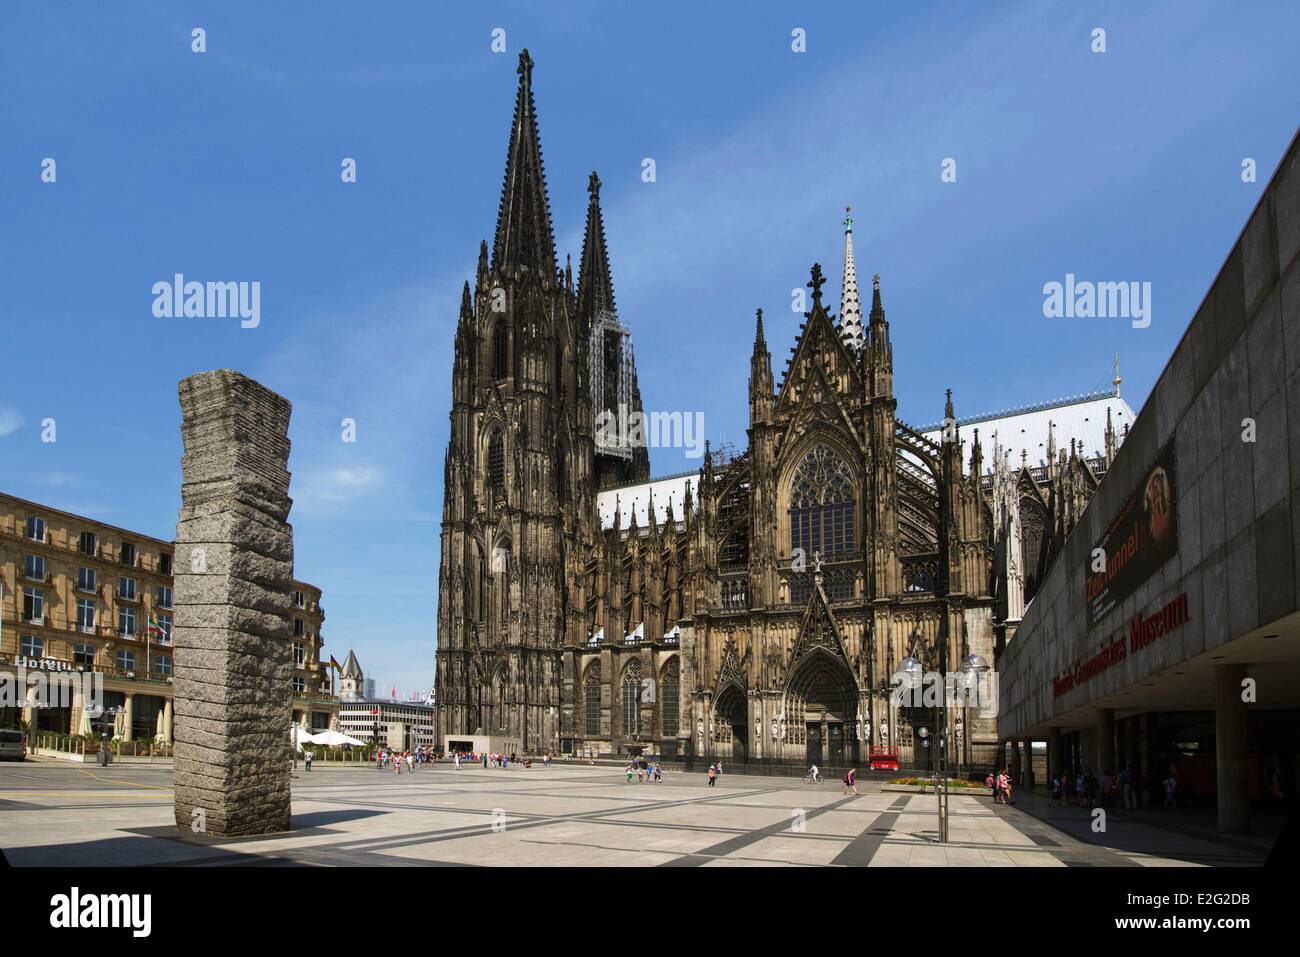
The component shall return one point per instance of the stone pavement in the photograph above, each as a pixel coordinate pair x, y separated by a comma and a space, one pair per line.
56, 814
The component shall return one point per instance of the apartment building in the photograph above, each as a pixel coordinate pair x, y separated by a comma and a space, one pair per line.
79, 595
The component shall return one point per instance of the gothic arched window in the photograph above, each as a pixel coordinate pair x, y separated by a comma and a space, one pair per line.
670, 686
631, 688
822, 505
591, 700
496, 462
500, 363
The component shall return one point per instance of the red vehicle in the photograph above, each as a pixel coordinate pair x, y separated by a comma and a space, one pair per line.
883, 758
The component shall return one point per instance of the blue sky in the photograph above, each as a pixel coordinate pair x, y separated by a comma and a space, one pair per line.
225, 166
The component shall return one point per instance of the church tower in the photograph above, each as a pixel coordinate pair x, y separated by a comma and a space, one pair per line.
534, 364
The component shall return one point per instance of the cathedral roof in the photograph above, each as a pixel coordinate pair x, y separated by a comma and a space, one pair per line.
1026, 429
635, 499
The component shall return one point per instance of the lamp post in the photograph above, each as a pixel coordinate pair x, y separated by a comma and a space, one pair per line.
973, 669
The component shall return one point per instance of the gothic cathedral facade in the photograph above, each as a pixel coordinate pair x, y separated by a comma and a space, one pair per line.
760, 608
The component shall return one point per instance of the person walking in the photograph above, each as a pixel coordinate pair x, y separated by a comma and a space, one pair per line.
410, 762
713, 775
851, 781
1126, 788
306, 757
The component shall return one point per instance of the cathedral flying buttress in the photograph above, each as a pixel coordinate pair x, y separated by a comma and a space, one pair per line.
756, 609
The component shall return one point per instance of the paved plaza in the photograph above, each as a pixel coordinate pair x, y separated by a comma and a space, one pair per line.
54, 813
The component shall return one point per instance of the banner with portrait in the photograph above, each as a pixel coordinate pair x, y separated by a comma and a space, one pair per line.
1138, 541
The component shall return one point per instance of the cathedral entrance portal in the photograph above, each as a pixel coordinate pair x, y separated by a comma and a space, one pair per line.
822, 696
733, 721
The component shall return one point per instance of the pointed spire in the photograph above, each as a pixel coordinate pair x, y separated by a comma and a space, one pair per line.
466, 308
524, 236
595, 287
850, 307
759, 341
1118, 380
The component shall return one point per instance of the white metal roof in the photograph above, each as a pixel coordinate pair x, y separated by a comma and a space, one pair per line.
1080, 418
636, 498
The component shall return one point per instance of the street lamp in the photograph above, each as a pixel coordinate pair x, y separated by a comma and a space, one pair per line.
973, 668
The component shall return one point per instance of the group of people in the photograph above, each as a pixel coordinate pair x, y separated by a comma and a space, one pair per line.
999, 783
391, 757
644, 771
1085, 789
494, 759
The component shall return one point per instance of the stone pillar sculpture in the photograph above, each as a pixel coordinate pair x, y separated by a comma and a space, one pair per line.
232, 632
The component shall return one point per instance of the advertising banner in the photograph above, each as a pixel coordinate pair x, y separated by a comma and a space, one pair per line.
1138, 541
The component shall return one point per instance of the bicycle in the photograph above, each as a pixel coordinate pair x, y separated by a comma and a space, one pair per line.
812, 777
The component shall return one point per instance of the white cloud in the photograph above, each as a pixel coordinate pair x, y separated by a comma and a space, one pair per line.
10, 421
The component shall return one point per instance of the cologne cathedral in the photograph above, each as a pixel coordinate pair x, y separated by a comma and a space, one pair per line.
760, 608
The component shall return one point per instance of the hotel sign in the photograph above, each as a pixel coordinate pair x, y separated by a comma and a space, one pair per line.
1138, 541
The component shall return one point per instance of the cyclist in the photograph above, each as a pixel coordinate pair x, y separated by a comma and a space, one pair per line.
814, 775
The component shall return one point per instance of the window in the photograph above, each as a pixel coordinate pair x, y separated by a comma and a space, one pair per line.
632, 697
86, 579
822, 506
33, 646
164, 596
164, 563
299, 654
497, 462
126, 622
34, 605
297, 627
591, 700
34, 568
126, 588
125, 660
670, 697
162, 664
86, 615
84, 655
127, 554
500, 363
299, 684
165, 624
87, 544
299, 600
35, 528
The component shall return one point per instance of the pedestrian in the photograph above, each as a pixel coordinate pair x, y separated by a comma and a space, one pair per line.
719, 767
991, 782
1056, 790
713, 775
307, 756
851, 781
1126, 788
410, 762
1171, 789
628, 769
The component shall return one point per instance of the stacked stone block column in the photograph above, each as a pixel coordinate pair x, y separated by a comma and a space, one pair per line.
232, 632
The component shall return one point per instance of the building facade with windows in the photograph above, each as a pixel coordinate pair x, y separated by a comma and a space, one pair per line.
79, 595
760, 607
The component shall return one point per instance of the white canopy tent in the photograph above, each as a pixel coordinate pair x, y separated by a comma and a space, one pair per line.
334, 739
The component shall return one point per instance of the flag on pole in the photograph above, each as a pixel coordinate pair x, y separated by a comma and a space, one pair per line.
155, 629
334, 664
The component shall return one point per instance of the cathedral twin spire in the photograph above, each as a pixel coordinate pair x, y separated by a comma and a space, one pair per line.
524, 238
